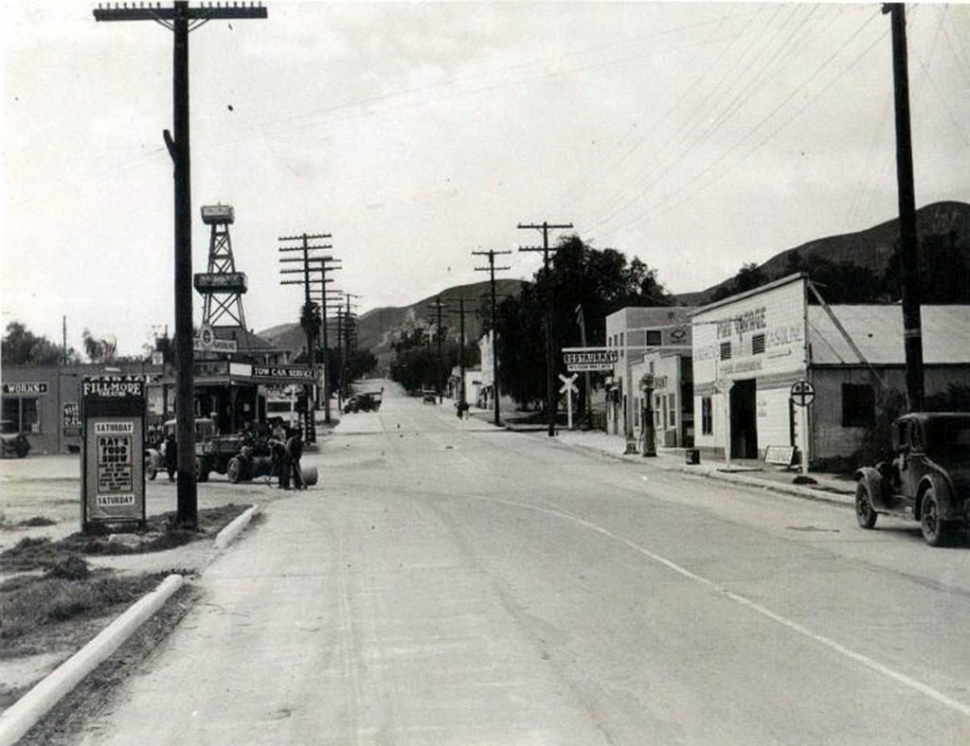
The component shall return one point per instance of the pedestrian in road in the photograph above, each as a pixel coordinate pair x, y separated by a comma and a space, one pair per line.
294, 452
171, 456
281, 462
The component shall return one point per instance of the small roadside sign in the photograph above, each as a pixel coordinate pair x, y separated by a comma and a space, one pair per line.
802, 393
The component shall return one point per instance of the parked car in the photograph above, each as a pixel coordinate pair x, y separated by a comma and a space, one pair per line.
14, 442
927, 479
430, 397
205, 461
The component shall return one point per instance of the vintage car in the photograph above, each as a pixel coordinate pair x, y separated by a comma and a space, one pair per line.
205, 458
927, 478
14, 442
429, 397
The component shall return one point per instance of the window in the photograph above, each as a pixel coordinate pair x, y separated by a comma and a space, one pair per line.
858, 405
758, 344
673, 410
622, 351
654, 338
725, 350
707, 418
23, 413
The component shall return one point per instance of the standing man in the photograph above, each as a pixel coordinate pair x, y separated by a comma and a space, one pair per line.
294, 452
171, 456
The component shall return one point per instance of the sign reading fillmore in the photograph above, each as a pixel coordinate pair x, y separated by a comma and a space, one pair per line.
580, 359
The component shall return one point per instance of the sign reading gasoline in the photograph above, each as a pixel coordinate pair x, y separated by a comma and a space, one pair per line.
113, 459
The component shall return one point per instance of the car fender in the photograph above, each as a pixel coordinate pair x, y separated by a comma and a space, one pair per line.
874, 481
947, 506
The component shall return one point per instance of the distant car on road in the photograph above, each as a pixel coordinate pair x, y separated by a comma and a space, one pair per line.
430, 397
928, 478
14, 442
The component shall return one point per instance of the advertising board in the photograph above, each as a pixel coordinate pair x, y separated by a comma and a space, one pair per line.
113, 450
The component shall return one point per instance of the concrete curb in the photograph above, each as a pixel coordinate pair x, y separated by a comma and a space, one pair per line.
225, 537
27, 711
819, 495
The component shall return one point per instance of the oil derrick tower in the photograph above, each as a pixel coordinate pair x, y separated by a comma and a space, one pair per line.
222, 287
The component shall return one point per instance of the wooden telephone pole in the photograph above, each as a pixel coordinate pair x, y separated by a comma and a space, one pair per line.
491, 269
181, 19
550, 364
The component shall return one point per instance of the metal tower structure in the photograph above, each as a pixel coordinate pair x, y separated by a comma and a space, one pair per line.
222, 286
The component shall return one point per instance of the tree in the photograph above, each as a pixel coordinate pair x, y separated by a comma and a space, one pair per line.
22, 347
104, 350
749, 277
601, 281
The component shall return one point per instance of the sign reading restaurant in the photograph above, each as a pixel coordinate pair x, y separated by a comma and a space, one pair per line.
589, 358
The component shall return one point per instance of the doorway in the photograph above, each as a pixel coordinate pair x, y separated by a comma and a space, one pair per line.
744, 419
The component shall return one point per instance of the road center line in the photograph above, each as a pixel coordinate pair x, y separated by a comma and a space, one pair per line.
865, 660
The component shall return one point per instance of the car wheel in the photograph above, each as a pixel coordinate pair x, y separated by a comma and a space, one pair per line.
934, 529
150, 471
201, 473
864, 512
22, 448
236, 470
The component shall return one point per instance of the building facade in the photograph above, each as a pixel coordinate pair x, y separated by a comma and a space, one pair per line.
750, 349
635, 332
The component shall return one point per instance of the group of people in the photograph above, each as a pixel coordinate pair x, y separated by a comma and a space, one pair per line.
286, 449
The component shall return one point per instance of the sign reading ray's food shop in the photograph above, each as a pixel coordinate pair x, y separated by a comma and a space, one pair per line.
113, 452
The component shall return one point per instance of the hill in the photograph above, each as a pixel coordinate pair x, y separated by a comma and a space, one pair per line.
379, 327
944, 233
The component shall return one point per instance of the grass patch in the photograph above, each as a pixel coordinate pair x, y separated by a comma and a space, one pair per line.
34, 604
158, 534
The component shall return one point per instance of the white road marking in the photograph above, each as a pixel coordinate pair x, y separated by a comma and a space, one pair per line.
865, 660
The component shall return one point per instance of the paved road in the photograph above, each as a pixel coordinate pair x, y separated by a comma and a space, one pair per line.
454, 584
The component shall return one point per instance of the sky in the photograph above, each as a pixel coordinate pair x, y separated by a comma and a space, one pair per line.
697, 137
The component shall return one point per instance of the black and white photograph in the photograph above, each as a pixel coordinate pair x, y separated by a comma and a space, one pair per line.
494, 373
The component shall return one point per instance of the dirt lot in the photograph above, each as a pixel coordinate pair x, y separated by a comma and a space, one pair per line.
60, 588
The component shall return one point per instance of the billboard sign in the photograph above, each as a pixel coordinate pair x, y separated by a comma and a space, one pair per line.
112, 450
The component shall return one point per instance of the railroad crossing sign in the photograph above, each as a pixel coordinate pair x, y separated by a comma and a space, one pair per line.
569, 388
802, 393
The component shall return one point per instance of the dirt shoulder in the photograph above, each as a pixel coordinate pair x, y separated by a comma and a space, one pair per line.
58, 593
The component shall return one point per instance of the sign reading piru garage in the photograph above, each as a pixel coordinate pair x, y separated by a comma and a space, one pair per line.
113, 450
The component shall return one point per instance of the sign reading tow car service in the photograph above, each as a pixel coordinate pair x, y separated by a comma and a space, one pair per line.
277, 373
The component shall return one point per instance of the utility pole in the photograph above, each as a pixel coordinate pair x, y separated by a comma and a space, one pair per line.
439, 383
550, 385
909, 240
587, 400
348, 338
181, 19
326, 265
461, 353
491, 269
309, 317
